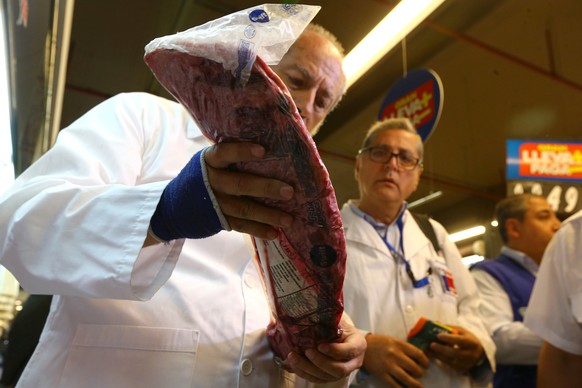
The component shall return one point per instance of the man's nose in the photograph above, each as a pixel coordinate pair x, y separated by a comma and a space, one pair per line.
304, 113
301, 106
392, 161
304, 99
302, 116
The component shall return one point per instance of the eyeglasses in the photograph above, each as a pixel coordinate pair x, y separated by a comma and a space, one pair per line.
404, 160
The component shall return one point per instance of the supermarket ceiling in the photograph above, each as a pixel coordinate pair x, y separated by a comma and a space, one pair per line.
509, 69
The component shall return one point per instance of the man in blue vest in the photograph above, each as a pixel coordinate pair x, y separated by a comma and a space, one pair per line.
526, 224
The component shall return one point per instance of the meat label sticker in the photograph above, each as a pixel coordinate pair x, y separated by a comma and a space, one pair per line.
295, 291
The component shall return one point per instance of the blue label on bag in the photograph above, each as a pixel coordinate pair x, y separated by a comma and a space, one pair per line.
245, 53
259, 16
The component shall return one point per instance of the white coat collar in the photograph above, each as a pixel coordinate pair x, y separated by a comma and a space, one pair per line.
358, 230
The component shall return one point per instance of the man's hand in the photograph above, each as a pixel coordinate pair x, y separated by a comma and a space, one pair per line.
461, 351
394, 361
233, 189
186, 208
333, 361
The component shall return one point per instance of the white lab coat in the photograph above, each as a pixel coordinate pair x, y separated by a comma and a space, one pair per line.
380, 298
189, 314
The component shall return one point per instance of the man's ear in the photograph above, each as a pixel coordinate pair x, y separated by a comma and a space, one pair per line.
512, 228
357, 168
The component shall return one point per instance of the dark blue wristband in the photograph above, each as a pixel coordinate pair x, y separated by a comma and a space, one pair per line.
185, 209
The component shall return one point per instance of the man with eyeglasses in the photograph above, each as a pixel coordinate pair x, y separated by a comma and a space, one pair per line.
395, 276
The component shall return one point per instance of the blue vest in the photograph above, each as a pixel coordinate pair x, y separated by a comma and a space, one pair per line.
518, 284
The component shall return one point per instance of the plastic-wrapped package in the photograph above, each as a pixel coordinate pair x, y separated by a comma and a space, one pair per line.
220, 74
426, 331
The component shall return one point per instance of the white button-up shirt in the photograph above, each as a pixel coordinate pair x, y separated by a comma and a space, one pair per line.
516, 344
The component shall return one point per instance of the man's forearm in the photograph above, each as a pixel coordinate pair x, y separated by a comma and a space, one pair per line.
558, 368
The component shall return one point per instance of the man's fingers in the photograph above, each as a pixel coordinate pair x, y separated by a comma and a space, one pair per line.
242, 184
446, 353
396, 375
403, 378
222, 155
453, 356
235, 190
252, 228
340, 351
239, 210
334, 368
305, 368
419, 357
392, 382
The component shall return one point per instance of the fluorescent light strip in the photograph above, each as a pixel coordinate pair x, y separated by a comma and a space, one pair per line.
6, 161
403, 18
467, 233
422, 200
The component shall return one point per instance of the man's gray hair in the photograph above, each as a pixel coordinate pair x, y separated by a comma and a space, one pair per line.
390, 124
320, 30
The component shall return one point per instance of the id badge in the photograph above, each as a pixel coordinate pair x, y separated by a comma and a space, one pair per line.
445, 277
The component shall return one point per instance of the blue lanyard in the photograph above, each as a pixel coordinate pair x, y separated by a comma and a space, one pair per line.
399, 255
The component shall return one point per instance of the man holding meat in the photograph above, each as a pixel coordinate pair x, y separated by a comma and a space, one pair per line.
395, 276
129, 310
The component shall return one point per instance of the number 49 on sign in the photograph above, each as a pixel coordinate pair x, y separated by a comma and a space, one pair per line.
563, 198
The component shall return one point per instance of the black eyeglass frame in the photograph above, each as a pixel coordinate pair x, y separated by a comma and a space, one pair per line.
417, 163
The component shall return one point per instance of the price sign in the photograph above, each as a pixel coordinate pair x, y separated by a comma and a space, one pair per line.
544, 161
552, 169
564, 198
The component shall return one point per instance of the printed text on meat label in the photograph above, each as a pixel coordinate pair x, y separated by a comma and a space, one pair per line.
286, 278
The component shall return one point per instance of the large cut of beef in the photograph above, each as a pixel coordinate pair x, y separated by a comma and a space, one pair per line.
304, 267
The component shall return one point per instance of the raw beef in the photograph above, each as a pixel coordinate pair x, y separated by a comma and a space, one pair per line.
304, 267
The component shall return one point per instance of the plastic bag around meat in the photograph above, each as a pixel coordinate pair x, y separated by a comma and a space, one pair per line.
303, 268
267, 30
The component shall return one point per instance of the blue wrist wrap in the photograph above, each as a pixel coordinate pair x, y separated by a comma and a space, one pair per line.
185, 209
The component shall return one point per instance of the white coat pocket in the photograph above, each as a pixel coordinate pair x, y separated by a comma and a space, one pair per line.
131, 356
444, 279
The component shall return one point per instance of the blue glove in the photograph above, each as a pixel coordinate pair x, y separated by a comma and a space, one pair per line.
187, 207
